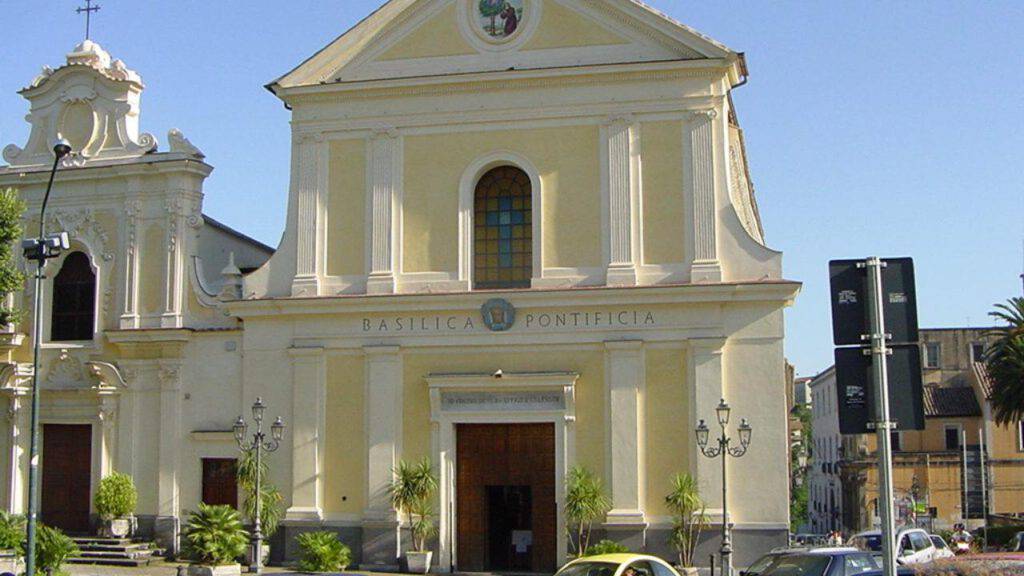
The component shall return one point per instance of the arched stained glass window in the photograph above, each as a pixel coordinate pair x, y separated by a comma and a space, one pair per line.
74, 300
503, 230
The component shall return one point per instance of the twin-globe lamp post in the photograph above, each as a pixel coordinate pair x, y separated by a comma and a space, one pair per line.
40, 249
724, 450
258, 444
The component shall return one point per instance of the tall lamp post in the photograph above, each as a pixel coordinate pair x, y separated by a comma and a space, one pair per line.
258, 444
724, 450
40, 249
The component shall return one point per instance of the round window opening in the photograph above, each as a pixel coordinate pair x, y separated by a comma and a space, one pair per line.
499, 20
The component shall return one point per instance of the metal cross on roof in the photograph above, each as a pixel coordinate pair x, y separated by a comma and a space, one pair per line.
88, 10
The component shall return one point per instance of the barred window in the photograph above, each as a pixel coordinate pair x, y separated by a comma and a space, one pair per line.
74, 300
503, 230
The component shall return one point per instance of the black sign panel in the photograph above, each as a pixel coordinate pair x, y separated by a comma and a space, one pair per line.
855, 389
850, 310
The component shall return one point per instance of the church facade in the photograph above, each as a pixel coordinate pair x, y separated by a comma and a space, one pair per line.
521, 237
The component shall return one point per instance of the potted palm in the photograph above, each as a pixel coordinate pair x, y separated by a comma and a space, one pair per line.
689, 520
215, 538
585, 503
115, 501
270, 499
412, 494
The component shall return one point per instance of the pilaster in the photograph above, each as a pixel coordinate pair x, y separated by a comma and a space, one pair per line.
132, 218
168, 502
309, 391
624, 375
310, 186
383, 204
705, 381
182, 217
621, 183
384, 448
706, 266
17, 470
107, 415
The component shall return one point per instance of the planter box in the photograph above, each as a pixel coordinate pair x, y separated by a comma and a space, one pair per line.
419, 562
11, 563
225, 570
118, 527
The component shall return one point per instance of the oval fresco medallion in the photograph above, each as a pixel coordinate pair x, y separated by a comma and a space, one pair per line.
499, 20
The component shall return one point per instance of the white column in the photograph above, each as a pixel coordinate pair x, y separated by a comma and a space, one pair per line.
310, 187
703, 208
309, 390
17, 471
621, 181
624, 375
705, 380
383, 451
130, 311
383, 205
108, 419
128, 422
170, 437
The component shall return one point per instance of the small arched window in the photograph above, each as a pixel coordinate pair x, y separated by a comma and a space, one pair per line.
503, 229
74, 300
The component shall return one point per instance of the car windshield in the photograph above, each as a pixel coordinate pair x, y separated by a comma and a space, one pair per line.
798, 565
589, 569
868, 543
761, 565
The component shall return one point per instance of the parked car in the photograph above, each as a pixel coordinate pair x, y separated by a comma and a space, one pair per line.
1016, 544
942, 550
814, 562
617, 565
913, 545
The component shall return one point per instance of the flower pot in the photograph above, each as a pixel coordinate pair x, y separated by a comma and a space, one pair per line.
223, 570
118, 527
264, 554
419, 562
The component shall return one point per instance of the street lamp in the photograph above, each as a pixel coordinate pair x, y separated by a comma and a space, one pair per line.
40, 249
724, 451
258, 444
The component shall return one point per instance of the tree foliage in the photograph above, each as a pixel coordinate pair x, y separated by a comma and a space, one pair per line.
12, 532
214, 535
11, 279
412, 494
321, 551
689, 519
116, 496
53, 548
585, 503
270, 497
1004, 361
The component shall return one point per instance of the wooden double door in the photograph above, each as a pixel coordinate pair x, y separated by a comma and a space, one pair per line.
505, 503
67, 477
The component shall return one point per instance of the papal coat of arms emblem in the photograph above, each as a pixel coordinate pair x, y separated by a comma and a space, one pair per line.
499, 314
500, 19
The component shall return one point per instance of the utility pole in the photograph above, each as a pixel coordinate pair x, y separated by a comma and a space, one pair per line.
883, 427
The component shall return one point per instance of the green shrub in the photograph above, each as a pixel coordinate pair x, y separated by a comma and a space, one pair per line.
606, 547
12, 532
53, 548
116, 496
214, 535
322, 552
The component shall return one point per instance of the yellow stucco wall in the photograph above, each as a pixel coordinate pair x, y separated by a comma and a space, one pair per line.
345, 458
562, 27
346, 206
152, 264
438, 36
663, 203
667, 425
569, 165
590, 441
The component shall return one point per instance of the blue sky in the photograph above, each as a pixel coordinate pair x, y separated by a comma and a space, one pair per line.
889, 128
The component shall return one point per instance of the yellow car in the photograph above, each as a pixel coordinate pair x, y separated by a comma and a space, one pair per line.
618, 565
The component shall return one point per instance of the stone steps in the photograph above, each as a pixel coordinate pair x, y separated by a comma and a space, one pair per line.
114, 552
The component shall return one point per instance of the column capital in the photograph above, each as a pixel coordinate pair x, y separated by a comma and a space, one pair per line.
617, 345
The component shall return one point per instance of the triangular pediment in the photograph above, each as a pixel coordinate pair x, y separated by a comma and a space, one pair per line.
423, 38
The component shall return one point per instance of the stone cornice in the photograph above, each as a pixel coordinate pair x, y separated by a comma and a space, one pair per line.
779, 291
150, 165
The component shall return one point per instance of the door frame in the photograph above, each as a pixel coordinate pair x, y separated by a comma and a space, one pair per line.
443, 440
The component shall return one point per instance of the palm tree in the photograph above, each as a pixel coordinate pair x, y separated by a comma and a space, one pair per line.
1005, 363
412, 492
688, 508
585, 503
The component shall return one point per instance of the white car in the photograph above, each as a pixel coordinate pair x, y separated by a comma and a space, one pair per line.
914, 546
942, 550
